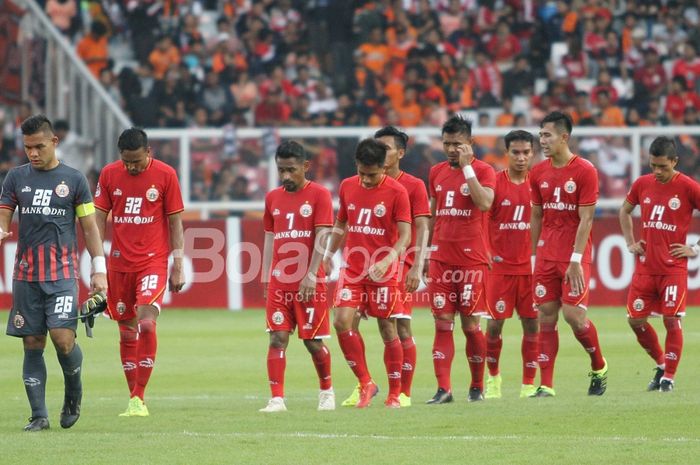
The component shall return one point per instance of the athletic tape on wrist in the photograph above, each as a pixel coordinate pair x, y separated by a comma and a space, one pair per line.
576, 257
468, 172
99, 264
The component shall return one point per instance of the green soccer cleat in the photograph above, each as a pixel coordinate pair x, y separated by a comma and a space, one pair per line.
354, 397
544, 391
493, 387
527, 390
404, 400
136, 408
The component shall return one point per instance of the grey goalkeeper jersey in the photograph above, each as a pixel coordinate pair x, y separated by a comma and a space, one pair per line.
46, 202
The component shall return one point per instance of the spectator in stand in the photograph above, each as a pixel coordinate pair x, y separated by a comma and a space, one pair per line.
604, 83
581, 113
518, 78
679, 99
63, 15
109, 82
507, 118
94, 49
165, 56
167, 94
216, 99
273, 110
410, 112
576, 61
504, 46
650, 78
608, 113
487, 79
376, 52
688, 66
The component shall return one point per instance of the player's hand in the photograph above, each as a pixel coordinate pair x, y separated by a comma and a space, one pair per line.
682, 250
426, 271
638, 248
378, 270
307, 288
177, 279
264, 291
466, 155
574, 277
98, 283
412, 279
328, 265
4, 235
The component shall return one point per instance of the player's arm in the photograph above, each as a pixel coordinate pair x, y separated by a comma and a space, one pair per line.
5, 221
93, 242
177, 247
414, 274
481, 196
574, 273
429, 238
307, 288
627, 226
337, 236
101, 220
535, 230
378, 270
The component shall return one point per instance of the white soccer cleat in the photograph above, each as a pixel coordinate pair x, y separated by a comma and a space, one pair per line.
276, 404
326, 399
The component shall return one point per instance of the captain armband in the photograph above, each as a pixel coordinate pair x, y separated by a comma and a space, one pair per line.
85, 209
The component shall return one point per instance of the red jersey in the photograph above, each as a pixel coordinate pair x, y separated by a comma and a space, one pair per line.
459, 234
509, 227
293, 218
372, 217
418, 199
560, 192
666, 213
140, 206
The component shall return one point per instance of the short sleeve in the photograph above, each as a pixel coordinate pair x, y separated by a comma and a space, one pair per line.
588, 192
103, 201
633, 195
173, 196
431, 182
268, 221
402, 207
419, 200
82, 190
342, 210
486, 176
694, 193
324, 209
8, 198
535, 196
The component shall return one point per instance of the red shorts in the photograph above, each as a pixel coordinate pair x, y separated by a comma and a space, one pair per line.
456, 288
549, 285
657, 295
285, 311
404, 307
376, 301
507, 292
128, 290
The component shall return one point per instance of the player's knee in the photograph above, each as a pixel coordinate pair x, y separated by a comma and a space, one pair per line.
444, 325
34, 342
404, 330
147, 326
313, 345
127, 333
672, 323
279, 339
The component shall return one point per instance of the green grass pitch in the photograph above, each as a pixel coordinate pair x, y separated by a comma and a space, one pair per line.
210, 381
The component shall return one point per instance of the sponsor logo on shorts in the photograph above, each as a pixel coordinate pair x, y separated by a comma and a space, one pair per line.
345, 294
638, 305
306, 210
147, 293
674, 203
670, 304
62, 190
18, 321
570, 186
121, 307
500, 306
540, 291
278, 317
464, 189
439, 301
379, 210
152, 194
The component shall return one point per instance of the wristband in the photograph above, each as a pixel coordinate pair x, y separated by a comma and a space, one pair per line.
576, 257
695, 247
178, 253
533, 259
468, 172
99, 264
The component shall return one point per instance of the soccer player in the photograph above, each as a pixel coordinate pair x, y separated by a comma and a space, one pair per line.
144, 197
49, 196
510, 283
659, 286
564, 194
375, 220
461, 192
413, 260
298, 218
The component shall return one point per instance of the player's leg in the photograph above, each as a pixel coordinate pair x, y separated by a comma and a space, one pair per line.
494, 343
121, 307
354, 396
349, 298
443, 304
276, 365
410, 356
547, 290
529, 346
587, 335
393, 358
501, 295
476, 354
321, 357
642, 301
313, 326
673, 298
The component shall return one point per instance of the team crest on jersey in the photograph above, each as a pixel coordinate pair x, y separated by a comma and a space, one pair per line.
18, 321
439, 301
674, 203
540, 291
379, 210
345, 294
570, 186
121, 307
62, 190
500, 306
152, 194
505, 203
464, 189
638, 305
306, 210
278, 318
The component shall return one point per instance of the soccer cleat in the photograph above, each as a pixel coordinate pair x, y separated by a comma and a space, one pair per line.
71, 410
599, 381
527, 390
475, 394
392, 402
666, 385
544, 391
351, 401
367, 391
37, 424
274, 405
136, 408
404, 400
441, 397
493, 387
655, 382
326, 399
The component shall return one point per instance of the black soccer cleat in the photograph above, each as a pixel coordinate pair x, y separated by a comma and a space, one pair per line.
441, 397
599, 382
655, 382
666, 385
71, 410
37, 424
475, 394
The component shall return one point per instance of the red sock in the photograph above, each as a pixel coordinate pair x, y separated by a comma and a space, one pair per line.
443, 353
352, 347
322, 362
409, 365
674, 346
393, 356
548, 342
493, 353
276, 364
476, 354
146, 355
589, 340
647, 338
528, 349
127, 350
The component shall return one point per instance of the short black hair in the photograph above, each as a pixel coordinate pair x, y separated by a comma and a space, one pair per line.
519, 135
400, 137
291, 149
61, 125
132, 139
370, 152
457, 125
561, 121
663, 146
35, 124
